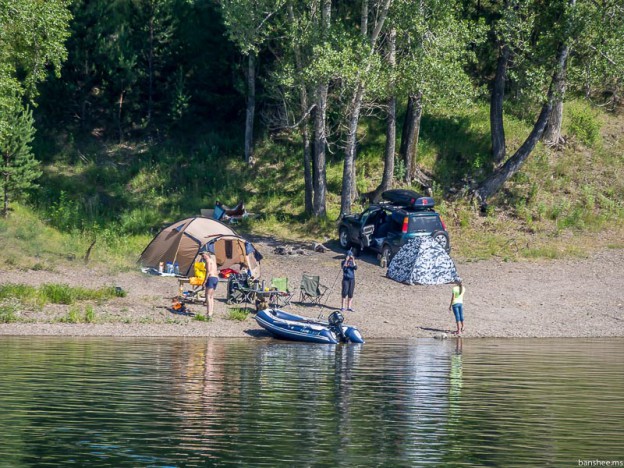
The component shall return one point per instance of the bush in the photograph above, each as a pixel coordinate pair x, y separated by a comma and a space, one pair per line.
89, 314
583, 123
9, 312
238, 314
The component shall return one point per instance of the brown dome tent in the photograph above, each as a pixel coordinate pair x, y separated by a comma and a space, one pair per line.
181, 242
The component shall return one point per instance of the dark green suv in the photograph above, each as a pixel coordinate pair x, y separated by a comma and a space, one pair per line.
385, 227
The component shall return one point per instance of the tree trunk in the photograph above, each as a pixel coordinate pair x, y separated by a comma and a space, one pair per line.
307, 168
410, 135
150, 65
493, 183
388, 173
364, 33
85, 99
251, 107
349, 161
552, 133
496, 107
364, 19
405, 131
413, 149
119, 115
5, 189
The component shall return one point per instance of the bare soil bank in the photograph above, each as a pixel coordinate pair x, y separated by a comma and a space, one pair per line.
562, 298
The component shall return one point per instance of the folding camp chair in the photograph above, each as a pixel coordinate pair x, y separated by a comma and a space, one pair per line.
311, 289
282, 296
239, 290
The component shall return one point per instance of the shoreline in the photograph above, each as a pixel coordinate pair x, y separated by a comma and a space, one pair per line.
576, 298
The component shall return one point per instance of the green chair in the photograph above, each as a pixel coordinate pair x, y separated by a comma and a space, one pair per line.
312, 290
283, 295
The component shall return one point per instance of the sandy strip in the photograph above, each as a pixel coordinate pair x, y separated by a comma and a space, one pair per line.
561, 298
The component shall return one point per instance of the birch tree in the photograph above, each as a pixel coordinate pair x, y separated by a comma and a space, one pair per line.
494, 182
433, 47
248, 24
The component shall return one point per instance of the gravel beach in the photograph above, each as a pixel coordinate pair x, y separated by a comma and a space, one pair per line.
558, 298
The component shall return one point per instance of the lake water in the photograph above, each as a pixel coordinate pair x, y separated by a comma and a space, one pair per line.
261, 402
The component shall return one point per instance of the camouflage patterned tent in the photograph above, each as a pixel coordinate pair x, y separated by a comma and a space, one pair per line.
422, 261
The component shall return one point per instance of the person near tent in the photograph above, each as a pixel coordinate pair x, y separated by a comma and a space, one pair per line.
249, 250
457, 305
212, 280
348, 281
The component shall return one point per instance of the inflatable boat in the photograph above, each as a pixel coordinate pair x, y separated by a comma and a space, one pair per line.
294, 327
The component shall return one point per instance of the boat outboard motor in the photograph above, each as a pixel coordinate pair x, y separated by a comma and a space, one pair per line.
335, 320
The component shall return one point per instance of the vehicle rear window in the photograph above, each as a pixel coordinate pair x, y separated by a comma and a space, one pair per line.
424, 224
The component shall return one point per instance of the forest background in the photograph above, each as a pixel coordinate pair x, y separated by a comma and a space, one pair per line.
118, 117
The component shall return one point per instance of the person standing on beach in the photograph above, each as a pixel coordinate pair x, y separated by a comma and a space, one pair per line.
457, 305
212, 280
348, 281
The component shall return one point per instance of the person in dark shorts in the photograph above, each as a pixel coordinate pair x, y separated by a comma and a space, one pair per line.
348, 281
212, 280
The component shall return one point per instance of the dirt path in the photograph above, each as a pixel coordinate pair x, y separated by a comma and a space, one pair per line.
563, 298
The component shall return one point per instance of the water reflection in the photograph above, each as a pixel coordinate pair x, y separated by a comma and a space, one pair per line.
264, 402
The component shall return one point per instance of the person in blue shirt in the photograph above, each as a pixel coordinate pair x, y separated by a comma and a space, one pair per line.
348, 281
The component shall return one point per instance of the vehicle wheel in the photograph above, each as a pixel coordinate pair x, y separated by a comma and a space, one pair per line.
343, 238
384, 259
441, 238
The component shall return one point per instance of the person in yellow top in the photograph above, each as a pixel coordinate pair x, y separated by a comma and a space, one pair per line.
457, 305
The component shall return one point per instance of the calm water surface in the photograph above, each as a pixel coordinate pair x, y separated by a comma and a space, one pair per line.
183, 402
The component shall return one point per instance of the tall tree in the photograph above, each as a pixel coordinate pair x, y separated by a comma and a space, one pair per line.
512, 32
297, 31
248, 24
32, 36
355, 107
390, 149
320, 120
596, 59
433, 47
495, 181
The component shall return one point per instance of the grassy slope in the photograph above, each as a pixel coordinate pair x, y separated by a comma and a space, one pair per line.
559, 202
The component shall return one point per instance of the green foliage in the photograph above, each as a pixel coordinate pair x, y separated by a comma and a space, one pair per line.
18, 165
583, 123
72, 316
32, 34
237, 314
89, 314
247, 21
161, 76
54, 293
399, 169
9, 311
201, 318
